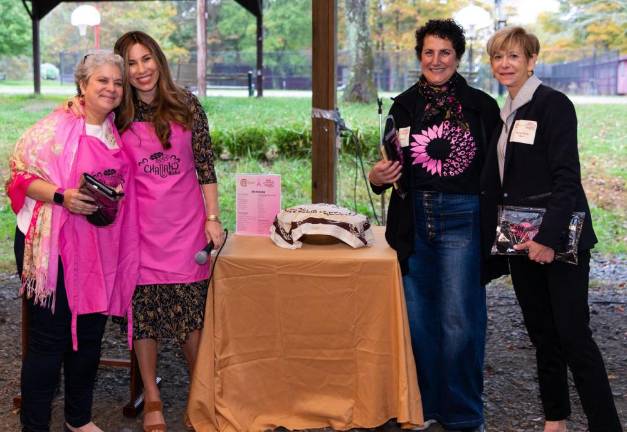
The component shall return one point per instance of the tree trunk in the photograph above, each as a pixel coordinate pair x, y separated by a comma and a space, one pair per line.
201, 44
213, 35
361, 86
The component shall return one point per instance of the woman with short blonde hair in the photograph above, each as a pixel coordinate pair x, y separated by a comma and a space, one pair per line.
533, 162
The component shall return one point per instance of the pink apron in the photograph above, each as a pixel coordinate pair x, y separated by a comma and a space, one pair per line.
170, 205
100, 263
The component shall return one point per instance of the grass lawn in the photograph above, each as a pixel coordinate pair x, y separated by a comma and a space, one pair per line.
602, 139
29, 83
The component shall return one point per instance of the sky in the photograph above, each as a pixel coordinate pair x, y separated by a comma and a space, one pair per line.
528, 10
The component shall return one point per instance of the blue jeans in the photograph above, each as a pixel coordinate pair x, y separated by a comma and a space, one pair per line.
447, 309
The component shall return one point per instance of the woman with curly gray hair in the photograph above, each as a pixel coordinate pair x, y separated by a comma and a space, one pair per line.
73, 266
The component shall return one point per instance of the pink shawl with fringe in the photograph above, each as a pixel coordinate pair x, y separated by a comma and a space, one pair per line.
45, 151
49, 151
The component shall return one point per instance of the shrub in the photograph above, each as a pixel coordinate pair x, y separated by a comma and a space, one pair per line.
291, 141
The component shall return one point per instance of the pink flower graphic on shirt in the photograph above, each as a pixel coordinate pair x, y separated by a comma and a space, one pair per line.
443, 149
419, 149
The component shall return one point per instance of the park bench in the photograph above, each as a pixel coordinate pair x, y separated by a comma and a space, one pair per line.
184, 74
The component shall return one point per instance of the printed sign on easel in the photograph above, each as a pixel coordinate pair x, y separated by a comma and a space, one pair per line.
257, 202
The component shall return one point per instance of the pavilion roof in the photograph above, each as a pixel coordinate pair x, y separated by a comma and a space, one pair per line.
40, 8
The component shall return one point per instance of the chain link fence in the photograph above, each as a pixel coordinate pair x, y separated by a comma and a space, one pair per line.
598, 73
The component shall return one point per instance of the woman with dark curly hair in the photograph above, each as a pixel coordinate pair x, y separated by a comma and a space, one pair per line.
444, 128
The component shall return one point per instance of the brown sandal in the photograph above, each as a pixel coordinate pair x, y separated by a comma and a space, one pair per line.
152, 406
188, 423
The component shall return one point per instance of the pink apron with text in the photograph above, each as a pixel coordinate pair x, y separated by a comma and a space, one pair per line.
100, 263
170, 206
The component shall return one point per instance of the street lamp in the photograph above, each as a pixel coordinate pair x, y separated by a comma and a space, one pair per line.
84, 16
473, 19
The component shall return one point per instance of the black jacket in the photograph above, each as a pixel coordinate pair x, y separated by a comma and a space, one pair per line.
482, 113
543, 174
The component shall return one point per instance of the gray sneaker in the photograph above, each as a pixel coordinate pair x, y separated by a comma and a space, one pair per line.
429, 426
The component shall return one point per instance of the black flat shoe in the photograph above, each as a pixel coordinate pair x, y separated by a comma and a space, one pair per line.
480, 428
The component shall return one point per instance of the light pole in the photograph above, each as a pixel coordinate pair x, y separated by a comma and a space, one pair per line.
84, 16
500, 21
473, 19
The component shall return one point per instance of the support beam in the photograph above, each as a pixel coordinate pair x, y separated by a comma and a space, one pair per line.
201, 47
260, 52
36, 57
324, 150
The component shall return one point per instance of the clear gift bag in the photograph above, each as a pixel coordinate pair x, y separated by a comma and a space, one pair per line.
520, 224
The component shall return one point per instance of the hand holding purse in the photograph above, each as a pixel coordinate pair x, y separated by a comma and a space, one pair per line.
517, 225
106, 198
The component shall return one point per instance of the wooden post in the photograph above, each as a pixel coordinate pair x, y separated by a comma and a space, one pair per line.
260, 51
36, 55
324, 151
201, 47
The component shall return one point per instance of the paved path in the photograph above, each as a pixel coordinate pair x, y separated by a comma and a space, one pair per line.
70, 90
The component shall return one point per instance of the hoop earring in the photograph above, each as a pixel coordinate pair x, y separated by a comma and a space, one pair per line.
529, 73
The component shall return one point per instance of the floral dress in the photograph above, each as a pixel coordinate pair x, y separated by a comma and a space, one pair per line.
173, 311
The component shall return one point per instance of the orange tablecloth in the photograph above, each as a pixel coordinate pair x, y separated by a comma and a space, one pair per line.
305, 338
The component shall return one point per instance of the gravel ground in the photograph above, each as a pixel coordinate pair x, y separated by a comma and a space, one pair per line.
511, 389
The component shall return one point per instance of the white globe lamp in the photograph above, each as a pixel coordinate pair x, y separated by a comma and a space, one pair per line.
473, 19
84, 16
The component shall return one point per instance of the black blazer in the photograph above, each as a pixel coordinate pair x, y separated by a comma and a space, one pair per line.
482, 113
543, 174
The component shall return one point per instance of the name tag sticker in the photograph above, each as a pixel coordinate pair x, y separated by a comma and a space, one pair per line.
403, 136
524, 131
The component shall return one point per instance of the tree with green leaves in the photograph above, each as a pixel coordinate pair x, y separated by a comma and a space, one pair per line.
59, 35
581, 27
15, 31
287, 28
184, 35
600, 22
236, 28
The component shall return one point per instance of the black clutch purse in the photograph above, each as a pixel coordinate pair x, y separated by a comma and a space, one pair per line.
391, 149
106, 198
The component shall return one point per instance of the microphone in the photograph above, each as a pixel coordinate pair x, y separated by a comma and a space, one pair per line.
202, 256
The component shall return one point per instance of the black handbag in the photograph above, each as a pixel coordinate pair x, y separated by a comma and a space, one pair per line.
106, 198
391, 149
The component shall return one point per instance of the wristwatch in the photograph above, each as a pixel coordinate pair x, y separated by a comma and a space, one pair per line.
58, 196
